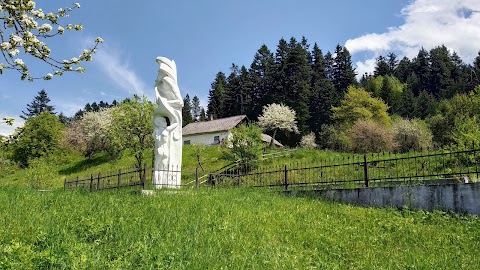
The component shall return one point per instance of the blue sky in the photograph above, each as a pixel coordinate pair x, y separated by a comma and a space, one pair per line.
205, 37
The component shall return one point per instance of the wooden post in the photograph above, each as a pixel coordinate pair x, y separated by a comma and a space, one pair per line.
98, 181
76, 183
144, 175
365, 170
65, 184
119, 177
196, 178
286, 178
91, 182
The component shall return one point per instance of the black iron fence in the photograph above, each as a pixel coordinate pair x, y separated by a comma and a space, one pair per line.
372, 170
129, 177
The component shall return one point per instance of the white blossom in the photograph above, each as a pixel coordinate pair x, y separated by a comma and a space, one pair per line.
13, 52
99, 40
5, 45
45, 28
23, 25
49, 76
19, 62
278, 116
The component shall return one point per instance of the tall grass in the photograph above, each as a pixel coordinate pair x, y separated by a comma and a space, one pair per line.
224, 229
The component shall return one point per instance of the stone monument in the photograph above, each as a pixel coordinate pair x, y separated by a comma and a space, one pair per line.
167, 122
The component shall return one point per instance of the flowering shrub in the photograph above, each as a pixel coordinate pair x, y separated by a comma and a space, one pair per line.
412, 134
370, 136
308, 141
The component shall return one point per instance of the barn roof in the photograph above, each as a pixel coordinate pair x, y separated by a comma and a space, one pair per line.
216, 125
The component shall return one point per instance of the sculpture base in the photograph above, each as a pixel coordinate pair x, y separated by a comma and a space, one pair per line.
166, 179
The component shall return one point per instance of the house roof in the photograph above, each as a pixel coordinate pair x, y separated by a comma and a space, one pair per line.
267, 139
216, 125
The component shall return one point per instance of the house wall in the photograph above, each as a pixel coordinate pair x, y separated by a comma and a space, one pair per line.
206, 138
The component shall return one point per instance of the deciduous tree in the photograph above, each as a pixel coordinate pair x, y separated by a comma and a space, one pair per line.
277, 117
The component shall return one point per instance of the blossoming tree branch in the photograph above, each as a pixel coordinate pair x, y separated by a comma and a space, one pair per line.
24, 32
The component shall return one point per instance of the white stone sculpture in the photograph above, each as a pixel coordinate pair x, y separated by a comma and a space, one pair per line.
167, 119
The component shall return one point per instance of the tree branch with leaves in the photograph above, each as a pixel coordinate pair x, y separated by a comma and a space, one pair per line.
24, 31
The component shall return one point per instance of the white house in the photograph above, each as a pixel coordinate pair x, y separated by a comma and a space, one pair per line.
215, 131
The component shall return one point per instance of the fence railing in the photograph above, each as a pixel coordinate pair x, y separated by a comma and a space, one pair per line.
129, 177
372, 170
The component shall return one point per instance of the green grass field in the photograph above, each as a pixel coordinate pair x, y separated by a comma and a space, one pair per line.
224, 229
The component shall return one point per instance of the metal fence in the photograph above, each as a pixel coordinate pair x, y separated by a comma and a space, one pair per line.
372, 170
120, 178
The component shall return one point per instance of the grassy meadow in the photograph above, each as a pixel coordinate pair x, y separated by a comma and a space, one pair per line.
224, 229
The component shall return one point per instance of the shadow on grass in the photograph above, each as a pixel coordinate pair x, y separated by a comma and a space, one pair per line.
85, 164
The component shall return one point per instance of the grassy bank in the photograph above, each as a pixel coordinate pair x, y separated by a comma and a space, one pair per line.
229, 229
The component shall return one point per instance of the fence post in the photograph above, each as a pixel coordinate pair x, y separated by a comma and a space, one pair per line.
365, 170
119, 176
144, 177
196, 178
65, 184
91, 182
286, 178
98, 181
76, 183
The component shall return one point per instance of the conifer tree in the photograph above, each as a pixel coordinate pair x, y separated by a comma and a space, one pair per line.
216, 97
38, 105
260, 73
186, 111
381, 67
196, 109
203, 115
297, 83
322, 93
343, 71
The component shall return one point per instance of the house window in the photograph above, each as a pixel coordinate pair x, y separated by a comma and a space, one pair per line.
216, 140
187, 142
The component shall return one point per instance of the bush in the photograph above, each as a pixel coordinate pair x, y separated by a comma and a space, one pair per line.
246, 144
308, 141
39, 137
412, 134
370, 136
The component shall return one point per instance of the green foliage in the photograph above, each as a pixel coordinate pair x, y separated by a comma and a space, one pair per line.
229, 229
466, 131
132, 127
358, 104
246, 144
40, 174
412, 134
187, 117
39, 137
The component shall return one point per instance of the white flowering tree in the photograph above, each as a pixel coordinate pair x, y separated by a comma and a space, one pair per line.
278, 117
91, 134
23, 32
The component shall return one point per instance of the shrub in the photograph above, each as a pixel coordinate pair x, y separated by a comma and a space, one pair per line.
370, 136
246, 143
412, 134
308, 141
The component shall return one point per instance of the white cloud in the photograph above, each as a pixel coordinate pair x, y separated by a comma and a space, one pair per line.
112, 62
5, 129
428, 23
68, 108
